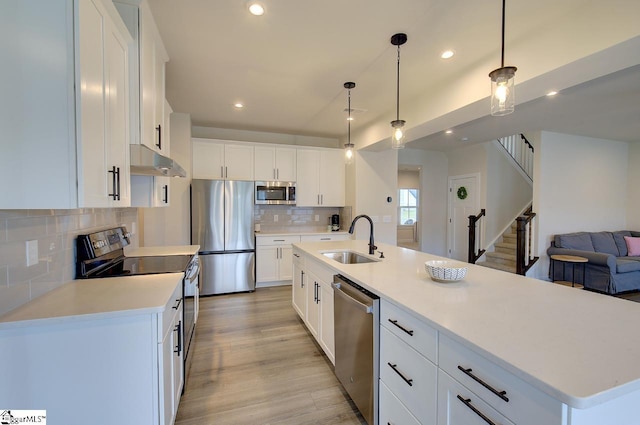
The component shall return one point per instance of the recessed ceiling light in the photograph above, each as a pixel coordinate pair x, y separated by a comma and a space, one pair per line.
552, 93
238, 105
448, 132
349, 118
447, 54
256, 9
465, 139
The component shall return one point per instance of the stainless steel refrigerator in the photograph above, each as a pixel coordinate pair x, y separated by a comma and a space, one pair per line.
222, 224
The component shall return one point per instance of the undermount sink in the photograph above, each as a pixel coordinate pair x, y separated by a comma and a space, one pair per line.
349, 257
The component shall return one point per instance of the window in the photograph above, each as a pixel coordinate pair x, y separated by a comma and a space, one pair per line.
408, 206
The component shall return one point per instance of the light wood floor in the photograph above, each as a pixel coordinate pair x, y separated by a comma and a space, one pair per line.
254, 363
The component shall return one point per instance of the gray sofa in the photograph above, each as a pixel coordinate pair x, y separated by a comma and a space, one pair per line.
609, 269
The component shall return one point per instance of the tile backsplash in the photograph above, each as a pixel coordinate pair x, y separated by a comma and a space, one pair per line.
283, 218
55, 232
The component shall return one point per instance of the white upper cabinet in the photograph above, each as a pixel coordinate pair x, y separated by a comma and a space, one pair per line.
148, 59
65, 138
275, 163
221, 160
153, 191
320, 178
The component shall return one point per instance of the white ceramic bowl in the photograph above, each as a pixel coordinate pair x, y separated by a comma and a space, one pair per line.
445, 271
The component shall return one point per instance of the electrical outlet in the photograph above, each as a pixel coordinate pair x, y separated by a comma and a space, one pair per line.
275, 218
32, 252
317, 217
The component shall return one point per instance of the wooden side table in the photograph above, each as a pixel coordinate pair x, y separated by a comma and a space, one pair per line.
571, 259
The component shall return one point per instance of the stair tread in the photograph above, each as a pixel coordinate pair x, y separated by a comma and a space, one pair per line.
506, 245
497, 266
502, 255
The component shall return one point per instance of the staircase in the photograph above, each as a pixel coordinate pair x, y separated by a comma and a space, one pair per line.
504, 256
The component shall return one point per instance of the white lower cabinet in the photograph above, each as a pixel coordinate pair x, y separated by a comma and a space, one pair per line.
125, 369
312, 298
409, 375
459, 406
274, 258
299, 291
392, 411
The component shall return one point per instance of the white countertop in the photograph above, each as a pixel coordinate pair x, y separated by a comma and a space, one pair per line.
152, 251
96, 298
580, 347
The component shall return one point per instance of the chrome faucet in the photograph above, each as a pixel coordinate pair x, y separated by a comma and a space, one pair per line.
372, 247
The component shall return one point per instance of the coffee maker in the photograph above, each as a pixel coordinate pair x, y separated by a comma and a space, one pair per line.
335, 222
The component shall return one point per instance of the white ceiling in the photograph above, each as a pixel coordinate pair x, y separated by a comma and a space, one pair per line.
289, 66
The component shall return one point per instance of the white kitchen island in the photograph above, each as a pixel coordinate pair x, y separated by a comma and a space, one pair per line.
564, 356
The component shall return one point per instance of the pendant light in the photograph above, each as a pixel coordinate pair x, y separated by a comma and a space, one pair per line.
503, 83
348, 147
397, 137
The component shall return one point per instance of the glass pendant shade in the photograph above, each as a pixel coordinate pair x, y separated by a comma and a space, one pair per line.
348, 153
503, 97
397, 136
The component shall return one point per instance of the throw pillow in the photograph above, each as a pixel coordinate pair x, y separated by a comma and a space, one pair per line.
633, 246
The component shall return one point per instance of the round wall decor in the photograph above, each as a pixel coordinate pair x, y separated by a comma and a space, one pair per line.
462, 192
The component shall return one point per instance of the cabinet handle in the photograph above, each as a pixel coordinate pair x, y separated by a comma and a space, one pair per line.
226, 172
318, 291
178, 301
278, 240
159, 130
118, 180
302, 278
318, 199
467, 402
395, 369
325, 239
395, 322
296, 255
321, 199
501, 394
315, 292
165, 189
115, 171
178, 329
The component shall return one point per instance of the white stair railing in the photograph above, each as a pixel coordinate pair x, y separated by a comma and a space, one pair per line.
519, 148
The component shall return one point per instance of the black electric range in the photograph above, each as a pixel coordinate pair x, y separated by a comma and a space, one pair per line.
101, 254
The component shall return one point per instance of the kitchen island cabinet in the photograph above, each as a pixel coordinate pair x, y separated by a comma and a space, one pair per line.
100, 351
65, 141
512, 333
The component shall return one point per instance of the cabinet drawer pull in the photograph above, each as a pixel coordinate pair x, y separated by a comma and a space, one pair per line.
501, 394
302, 278
278, 240
467, 402
296, 255
325, 239
395, 369
178, 301
395, 322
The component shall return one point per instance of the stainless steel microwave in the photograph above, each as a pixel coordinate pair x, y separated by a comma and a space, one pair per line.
275, 193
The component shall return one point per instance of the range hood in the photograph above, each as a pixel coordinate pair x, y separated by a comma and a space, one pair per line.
147, 162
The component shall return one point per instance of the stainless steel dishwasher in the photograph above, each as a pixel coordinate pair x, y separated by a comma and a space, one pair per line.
356, 318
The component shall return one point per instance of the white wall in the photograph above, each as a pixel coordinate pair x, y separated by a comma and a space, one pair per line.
633, 186
171, 225
507, 192
580, 184
433, 199
376, 177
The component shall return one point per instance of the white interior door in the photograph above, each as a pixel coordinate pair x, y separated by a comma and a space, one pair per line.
463, 202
